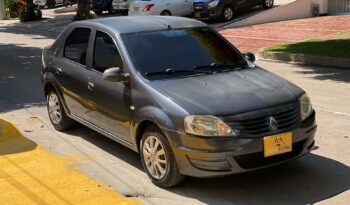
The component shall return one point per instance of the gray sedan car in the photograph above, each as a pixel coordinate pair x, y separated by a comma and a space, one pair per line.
178, 93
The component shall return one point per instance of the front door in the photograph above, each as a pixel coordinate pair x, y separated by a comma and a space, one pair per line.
110, 101
71, 72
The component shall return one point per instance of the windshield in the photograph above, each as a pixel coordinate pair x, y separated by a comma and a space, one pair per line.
154, 53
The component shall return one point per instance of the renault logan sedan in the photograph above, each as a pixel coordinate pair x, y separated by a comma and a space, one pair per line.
178, 93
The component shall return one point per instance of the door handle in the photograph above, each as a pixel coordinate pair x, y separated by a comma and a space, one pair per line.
58, 71
90, 86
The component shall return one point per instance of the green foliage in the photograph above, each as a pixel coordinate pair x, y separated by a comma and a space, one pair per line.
30, 13
331, 48
14, 6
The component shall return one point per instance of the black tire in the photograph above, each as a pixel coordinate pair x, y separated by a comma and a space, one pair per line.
65, 123
98, 12
267, 4
172, 175
50, 4
110, 10
165, 13
226, 11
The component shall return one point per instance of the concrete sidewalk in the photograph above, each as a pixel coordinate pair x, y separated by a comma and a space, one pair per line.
30, 174
252, 38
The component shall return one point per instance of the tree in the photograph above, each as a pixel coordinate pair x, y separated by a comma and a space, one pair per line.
2, 10
83, 11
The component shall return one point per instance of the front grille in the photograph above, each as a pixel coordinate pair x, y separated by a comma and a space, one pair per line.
255, 160
258, 123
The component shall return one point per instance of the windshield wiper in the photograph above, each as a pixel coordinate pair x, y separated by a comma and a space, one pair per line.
170, 71
214, 65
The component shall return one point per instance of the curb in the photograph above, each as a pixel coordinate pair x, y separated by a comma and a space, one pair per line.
8, 129
305, 59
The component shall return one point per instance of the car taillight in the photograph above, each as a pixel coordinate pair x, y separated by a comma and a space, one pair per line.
148, 7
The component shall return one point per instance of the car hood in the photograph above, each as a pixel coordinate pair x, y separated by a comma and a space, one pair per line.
229, 93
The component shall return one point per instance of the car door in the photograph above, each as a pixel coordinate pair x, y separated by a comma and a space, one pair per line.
243, 4
174, 6
186, 7
70, 69
110, 101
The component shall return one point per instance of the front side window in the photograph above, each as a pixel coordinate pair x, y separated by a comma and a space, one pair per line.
180, 50
106, 54
76, 45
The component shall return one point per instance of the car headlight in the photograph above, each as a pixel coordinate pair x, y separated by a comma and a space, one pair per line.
305, 106
213, 4
207, 125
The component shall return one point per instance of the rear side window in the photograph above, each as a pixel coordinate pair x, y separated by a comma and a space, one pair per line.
106, 54
76, 45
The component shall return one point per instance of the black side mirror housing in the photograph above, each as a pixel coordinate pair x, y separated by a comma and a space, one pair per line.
114, 75
249, 56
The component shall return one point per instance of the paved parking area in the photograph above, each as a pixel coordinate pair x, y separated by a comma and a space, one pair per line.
252, 38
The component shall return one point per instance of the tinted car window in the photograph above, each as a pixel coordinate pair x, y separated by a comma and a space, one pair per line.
76, 45
179, 49
106, 54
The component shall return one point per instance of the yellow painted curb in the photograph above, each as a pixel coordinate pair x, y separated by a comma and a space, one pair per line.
29, 174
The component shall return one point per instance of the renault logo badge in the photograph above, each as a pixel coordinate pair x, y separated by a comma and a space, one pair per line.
272, 124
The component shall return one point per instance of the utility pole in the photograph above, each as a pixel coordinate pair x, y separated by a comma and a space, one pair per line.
2, 10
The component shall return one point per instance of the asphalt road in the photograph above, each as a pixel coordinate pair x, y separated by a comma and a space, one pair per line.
321, 177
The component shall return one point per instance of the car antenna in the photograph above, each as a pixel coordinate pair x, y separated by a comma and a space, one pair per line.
169, 27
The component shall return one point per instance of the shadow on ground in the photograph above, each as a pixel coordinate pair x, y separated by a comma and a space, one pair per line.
108, 145
307, 180
20, 83
49, 28
326, 73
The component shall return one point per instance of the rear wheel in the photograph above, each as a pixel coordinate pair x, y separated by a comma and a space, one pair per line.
267, 4
98, 12
158, 159
57, 114
228, 13
165, 13
51, 4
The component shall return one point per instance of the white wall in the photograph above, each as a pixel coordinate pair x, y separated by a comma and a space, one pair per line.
295, 10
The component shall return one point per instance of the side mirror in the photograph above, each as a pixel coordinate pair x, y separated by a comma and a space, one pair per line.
249, 56
114, 75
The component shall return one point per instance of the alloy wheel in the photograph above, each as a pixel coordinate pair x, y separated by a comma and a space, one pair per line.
268, 3
154, 157
228, 13
54, 108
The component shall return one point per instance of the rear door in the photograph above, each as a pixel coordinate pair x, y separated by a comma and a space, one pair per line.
71, 71
243, 4
186, 7
110, 101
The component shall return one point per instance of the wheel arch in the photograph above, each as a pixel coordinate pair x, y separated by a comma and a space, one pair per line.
147, 117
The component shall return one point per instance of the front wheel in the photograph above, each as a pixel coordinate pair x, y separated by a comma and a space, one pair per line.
57, 114
267, 4
158, 159
228, 13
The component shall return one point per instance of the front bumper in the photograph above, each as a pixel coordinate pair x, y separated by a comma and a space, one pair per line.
207, 157
202, 12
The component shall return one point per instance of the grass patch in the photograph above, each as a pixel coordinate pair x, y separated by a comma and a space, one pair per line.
330, 48
345, 33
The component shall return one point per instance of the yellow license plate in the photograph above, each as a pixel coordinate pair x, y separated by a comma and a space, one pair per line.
277, 144
197, 15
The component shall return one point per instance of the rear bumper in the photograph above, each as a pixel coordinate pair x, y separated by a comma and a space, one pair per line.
207, 157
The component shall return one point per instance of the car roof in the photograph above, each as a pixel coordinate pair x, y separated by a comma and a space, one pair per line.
133, 24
